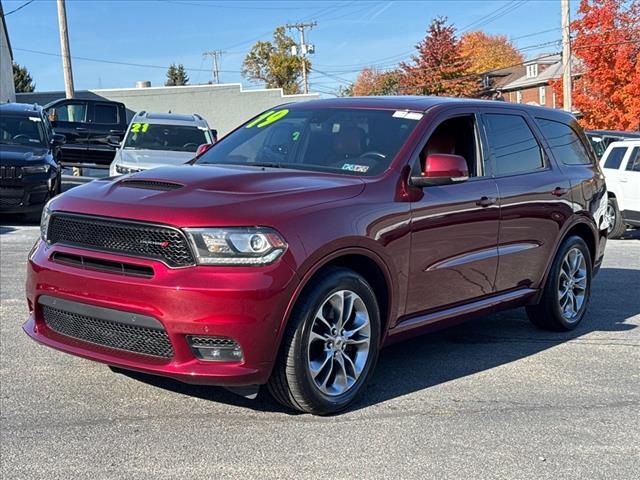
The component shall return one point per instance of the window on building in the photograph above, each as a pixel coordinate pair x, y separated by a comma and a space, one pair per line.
515, 148
564, 143
532, 70
615, 158
519, 96
542, 94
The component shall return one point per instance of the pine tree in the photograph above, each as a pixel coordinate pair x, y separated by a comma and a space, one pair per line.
22, 79
176, 76
438, 68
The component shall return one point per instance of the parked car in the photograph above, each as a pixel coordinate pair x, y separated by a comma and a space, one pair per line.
601, 139
29, 167
317, 233
157, 139
92, 128
621, 166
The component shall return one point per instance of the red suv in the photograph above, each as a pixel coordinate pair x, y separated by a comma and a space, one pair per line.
315, 234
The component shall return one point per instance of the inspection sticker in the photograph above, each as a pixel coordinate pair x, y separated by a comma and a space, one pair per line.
355, 168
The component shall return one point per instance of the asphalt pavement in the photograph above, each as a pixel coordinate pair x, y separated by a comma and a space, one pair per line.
491, 399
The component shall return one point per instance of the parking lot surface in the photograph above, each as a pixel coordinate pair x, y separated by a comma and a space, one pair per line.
494, 398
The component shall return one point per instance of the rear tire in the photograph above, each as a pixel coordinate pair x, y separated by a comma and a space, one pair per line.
617, 226
566, 293
330, 345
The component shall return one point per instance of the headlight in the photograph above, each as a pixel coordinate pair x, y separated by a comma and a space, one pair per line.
236, 246
30, 169
44, 221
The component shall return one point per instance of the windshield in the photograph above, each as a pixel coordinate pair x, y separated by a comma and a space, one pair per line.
22, 130
178, 138
351, 141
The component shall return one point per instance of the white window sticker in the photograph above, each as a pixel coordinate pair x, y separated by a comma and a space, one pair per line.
407, 115
35, 119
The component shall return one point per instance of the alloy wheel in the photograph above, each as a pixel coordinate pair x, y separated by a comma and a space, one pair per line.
339, 342
572, 285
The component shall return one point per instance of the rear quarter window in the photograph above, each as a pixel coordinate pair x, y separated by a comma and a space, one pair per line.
564, 142
614, 160
633, 164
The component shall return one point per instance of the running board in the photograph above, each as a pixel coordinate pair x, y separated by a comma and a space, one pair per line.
459, 311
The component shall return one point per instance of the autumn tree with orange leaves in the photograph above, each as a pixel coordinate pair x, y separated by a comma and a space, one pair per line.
438, 68
488, 52
371, 81
607, 44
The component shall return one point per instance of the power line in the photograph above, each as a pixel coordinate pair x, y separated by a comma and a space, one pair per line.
215, 67
18, 8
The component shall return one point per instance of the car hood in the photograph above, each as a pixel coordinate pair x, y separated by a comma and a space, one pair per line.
21, 154
144, 159
211, 195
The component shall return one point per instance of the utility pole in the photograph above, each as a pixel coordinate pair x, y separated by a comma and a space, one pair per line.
64, 47
566, 56
303, 49
215, 69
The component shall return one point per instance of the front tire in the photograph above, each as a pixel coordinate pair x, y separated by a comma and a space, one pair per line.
567, 290
330, 346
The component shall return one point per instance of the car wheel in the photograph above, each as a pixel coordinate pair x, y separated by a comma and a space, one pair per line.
330, 346
566, 293
616, 222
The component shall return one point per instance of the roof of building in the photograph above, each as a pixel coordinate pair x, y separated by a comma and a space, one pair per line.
552, 72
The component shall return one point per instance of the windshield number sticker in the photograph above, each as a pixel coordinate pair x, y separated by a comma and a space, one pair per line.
139, 127
267, 118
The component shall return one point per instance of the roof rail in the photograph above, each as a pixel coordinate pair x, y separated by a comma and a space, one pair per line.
141, 114
199, 117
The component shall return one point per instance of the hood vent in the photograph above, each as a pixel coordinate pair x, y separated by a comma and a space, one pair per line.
151, 184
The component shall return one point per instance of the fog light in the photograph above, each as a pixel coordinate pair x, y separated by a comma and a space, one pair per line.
215, 349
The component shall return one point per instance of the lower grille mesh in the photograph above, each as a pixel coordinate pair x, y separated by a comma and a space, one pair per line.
131, 338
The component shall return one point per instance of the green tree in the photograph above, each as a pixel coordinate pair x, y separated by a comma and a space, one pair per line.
22, 79
176, 76
274, 64
439, 67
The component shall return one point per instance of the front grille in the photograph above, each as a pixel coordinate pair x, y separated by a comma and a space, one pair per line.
101, 265
120, 236
8, 172
120, 336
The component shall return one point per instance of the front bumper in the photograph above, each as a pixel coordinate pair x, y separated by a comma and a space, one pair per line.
247, 304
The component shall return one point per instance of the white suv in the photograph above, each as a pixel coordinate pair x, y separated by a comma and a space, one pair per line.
621, 166
157, 139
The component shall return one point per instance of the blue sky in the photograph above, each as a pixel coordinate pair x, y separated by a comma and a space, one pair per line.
155, 33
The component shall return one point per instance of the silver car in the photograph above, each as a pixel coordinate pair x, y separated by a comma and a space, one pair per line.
157, 139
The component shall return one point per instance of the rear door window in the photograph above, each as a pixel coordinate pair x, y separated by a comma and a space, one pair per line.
633, 164
564, 143
515, 148
105, 114
614, 160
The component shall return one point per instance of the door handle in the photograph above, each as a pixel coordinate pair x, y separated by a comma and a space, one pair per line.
81, 129
623, 180
559, 191
115, 131
486, 201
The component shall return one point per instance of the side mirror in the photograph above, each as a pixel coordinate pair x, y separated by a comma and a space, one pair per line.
57, 140
442, 169
113, 141
202, 149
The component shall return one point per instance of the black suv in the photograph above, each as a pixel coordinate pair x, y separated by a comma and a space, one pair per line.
30, 172
93, 129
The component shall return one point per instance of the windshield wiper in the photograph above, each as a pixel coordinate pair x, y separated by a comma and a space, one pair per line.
265, 164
